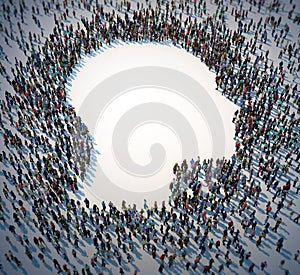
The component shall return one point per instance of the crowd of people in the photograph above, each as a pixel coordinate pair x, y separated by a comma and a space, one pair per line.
47, 149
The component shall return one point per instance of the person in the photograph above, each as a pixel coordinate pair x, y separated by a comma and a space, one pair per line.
74, 253
103, 262
251, 267
75, 271
119, 258
56, 264
2, 217
279, 244
103, 206
296, 255
161, 268
278, 222
292, 213
145, 204
296, 220
41, 257
263, 265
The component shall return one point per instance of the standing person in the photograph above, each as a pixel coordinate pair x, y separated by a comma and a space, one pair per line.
145, 204
296, 220
103, 263
282, 262
279, 244
74, 253
251, 267
263, 265
41, 257
278, 222
56, 264
103, 206
119, 259
161, 268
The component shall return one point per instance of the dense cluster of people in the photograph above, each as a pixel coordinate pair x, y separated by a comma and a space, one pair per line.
47, 149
